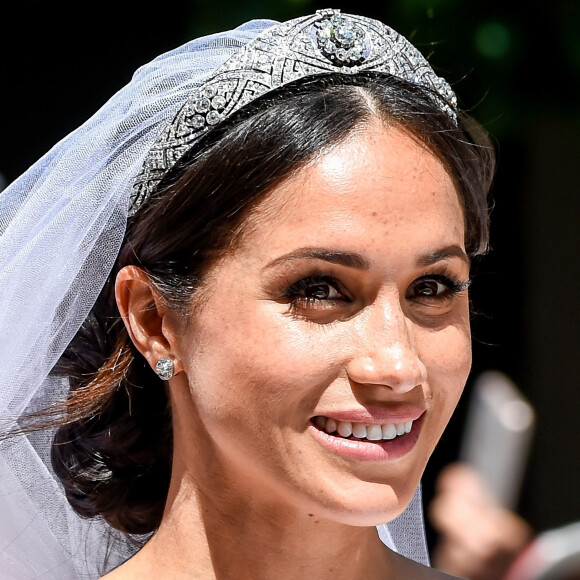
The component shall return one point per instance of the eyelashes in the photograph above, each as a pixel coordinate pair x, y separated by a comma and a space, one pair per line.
437, 285
318, 293
314, 289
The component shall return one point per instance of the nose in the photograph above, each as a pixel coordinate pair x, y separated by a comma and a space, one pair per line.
386, 354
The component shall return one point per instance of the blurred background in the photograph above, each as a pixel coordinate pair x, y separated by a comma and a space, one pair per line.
514, 66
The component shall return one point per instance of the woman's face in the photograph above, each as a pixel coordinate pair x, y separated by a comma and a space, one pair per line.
333, 342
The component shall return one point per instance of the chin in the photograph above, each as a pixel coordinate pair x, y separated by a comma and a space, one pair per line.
366, 504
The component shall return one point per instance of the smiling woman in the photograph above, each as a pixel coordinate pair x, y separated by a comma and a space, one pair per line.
265, 358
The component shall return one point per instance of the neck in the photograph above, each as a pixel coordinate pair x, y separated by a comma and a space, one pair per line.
227, 534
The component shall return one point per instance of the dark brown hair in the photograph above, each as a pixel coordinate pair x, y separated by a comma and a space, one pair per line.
113, 448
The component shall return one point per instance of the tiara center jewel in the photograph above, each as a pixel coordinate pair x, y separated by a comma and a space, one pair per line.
341, 40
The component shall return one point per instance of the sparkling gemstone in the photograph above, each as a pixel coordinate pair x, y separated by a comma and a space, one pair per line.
164, 368
202, 105
213, 118
330, 47
218, 102
326, 31
209, 92
197, 122
354, 54
341, 54
344, 34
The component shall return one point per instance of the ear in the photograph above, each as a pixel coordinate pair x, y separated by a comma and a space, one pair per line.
149, 322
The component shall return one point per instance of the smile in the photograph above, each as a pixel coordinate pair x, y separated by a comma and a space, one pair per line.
361, 431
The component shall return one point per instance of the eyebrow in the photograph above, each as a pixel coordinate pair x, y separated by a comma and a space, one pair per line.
350, 260
444, 254
354, 260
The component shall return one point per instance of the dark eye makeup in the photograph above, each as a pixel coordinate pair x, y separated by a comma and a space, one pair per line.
311, 290
436, 287
319, 292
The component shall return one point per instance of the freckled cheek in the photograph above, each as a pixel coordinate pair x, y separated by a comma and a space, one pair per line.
294, 354
448, 366
265, 356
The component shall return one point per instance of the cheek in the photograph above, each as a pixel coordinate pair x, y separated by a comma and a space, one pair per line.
259, 355
448, 365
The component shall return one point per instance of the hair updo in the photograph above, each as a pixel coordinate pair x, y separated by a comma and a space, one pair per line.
113, 448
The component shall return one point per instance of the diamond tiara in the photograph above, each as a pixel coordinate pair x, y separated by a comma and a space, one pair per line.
325, 42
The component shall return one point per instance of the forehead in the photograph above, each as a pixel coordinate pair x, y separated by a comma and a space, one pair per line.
377, 184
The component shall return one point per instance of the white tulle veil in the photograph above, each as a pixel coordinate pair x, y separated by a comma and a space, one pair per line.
61, 225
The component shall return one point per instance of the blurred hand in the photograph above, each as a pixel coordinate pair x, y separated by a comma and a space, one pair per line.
478, 539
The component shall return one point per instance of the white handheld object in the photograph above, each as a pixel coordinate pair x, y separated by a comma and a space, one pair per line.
498, 432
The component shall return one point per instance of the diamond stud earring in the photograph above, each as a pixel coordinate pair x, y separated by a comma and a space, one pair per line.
164, 368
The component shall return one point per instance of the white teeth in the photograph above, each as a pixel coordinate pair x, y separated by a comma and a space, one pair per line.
344, 429
331, 425
359, 430
389, 431
372, 432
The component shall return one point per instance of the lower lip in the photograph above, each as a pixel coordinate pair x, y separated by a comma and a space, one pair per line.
361, 450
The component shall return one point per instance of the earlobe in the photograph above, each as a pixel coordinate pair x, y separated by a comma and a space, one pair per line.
143, 314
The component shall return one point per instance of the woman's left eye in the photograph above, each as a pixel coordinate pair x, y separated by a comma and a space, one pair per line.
436, 287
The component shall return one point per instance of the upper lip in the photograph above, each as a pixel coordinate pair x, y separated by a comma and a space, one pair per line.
376, 415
